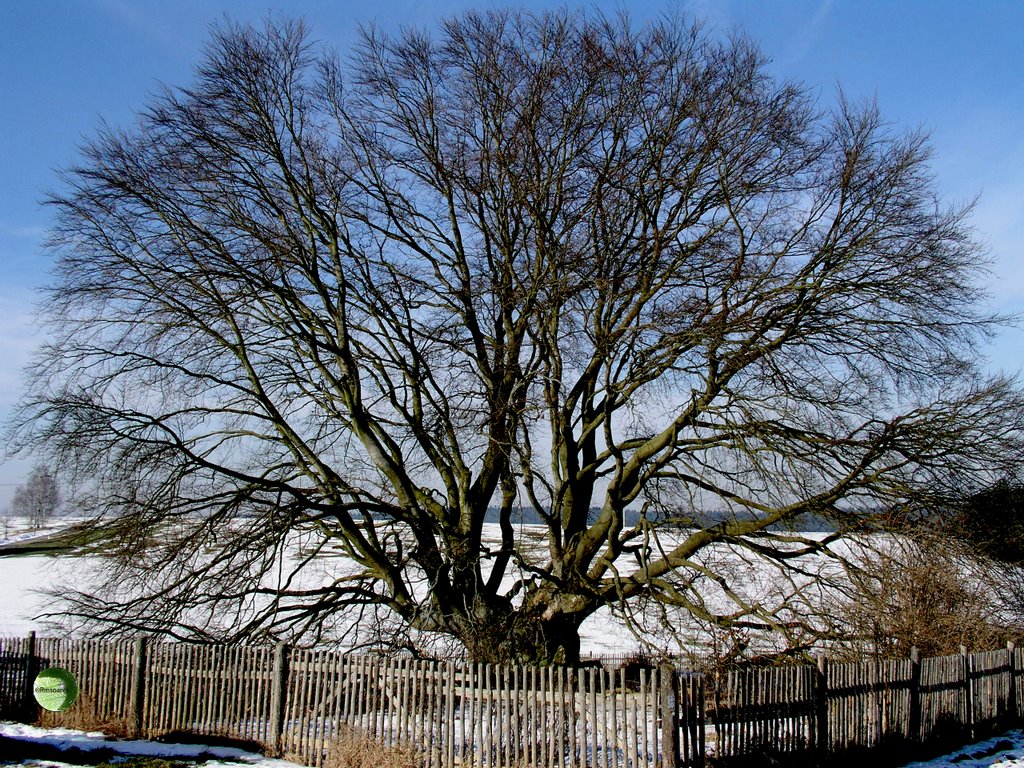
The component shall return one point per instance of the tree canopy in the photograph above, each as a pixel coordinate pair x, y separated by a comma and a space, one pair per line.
991, 521
618, 276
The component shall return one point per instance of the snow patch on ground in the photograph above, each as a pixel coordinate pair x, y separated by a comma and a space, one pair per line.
1006, 751
17, 530
67, 739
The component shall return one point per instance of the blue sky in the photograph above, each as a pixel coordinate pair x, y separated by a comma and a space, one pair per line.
955, 69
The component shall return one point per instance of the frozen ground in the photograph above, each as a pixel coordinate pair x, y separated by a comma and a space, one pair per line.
22, 578
1005, 751
25, 578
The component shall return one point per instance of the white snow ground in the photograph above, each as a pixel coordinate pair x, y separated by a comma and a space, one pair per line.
20, 599
66, 739
1006, 751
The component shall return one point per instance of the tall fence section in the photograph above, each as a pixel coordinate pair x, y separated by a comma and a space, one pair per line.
306, 703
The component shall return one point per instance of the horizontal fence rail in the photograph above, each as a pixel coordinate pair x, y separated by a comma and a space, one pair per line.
308, 703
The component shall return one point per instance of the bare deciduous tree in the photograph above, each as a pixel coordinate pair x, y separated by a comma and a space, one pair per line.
622, 278
38, 499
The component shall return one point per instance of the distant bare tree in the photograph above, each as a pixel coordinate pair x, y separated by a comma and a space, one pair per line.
38, 499
623, 278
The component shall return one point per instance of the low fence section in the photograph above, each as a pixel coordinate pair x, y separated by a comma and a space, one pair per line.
764, 712
304, 703
492, 715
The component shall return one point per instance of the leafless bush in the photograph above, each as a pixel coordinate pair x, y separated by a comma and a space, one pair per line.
928, 592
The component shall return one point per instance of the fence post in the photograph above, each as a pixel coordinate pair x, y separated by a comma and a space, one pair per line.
669, 705
695, 720
138, 686
278, 689
1011, 687
914, 726
968, 714
821, 710
27, 696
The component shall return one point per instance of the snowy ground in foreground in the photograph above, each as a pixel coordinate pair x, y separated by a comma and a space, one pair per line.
1006, 751
65, 739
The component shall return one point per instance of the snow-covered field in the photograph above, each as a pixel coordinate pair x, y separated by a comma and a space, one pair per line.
1005, 751
22, 578
817, 592
25, 578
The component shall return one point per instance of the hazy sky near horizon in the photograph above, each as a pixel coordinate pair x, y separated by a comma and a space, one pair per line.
954, 69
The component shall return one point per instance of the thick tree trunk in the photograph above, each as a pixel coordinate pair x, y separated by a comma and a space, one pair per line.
531, 634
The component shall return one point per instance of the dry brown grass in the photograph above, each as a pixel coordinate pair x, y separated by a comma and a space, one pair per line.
354, 751
83, 716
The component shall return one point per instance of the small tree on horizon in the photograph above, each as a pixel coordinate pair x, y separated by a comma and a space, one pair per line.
38, 500
555, 262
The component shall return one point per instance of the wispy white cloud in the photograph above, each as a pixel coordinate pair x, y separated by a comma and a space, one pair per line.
132, 15
792, 42
718, 13
806, 35
23, 231
169, 25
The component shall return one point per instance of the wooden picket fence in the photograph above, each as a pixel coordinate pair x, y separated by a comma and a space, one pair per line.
305, 702
893, 707
301, 703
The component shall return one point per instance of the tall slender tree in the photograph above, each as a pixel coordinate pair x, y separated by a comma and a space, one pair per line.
620, 277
